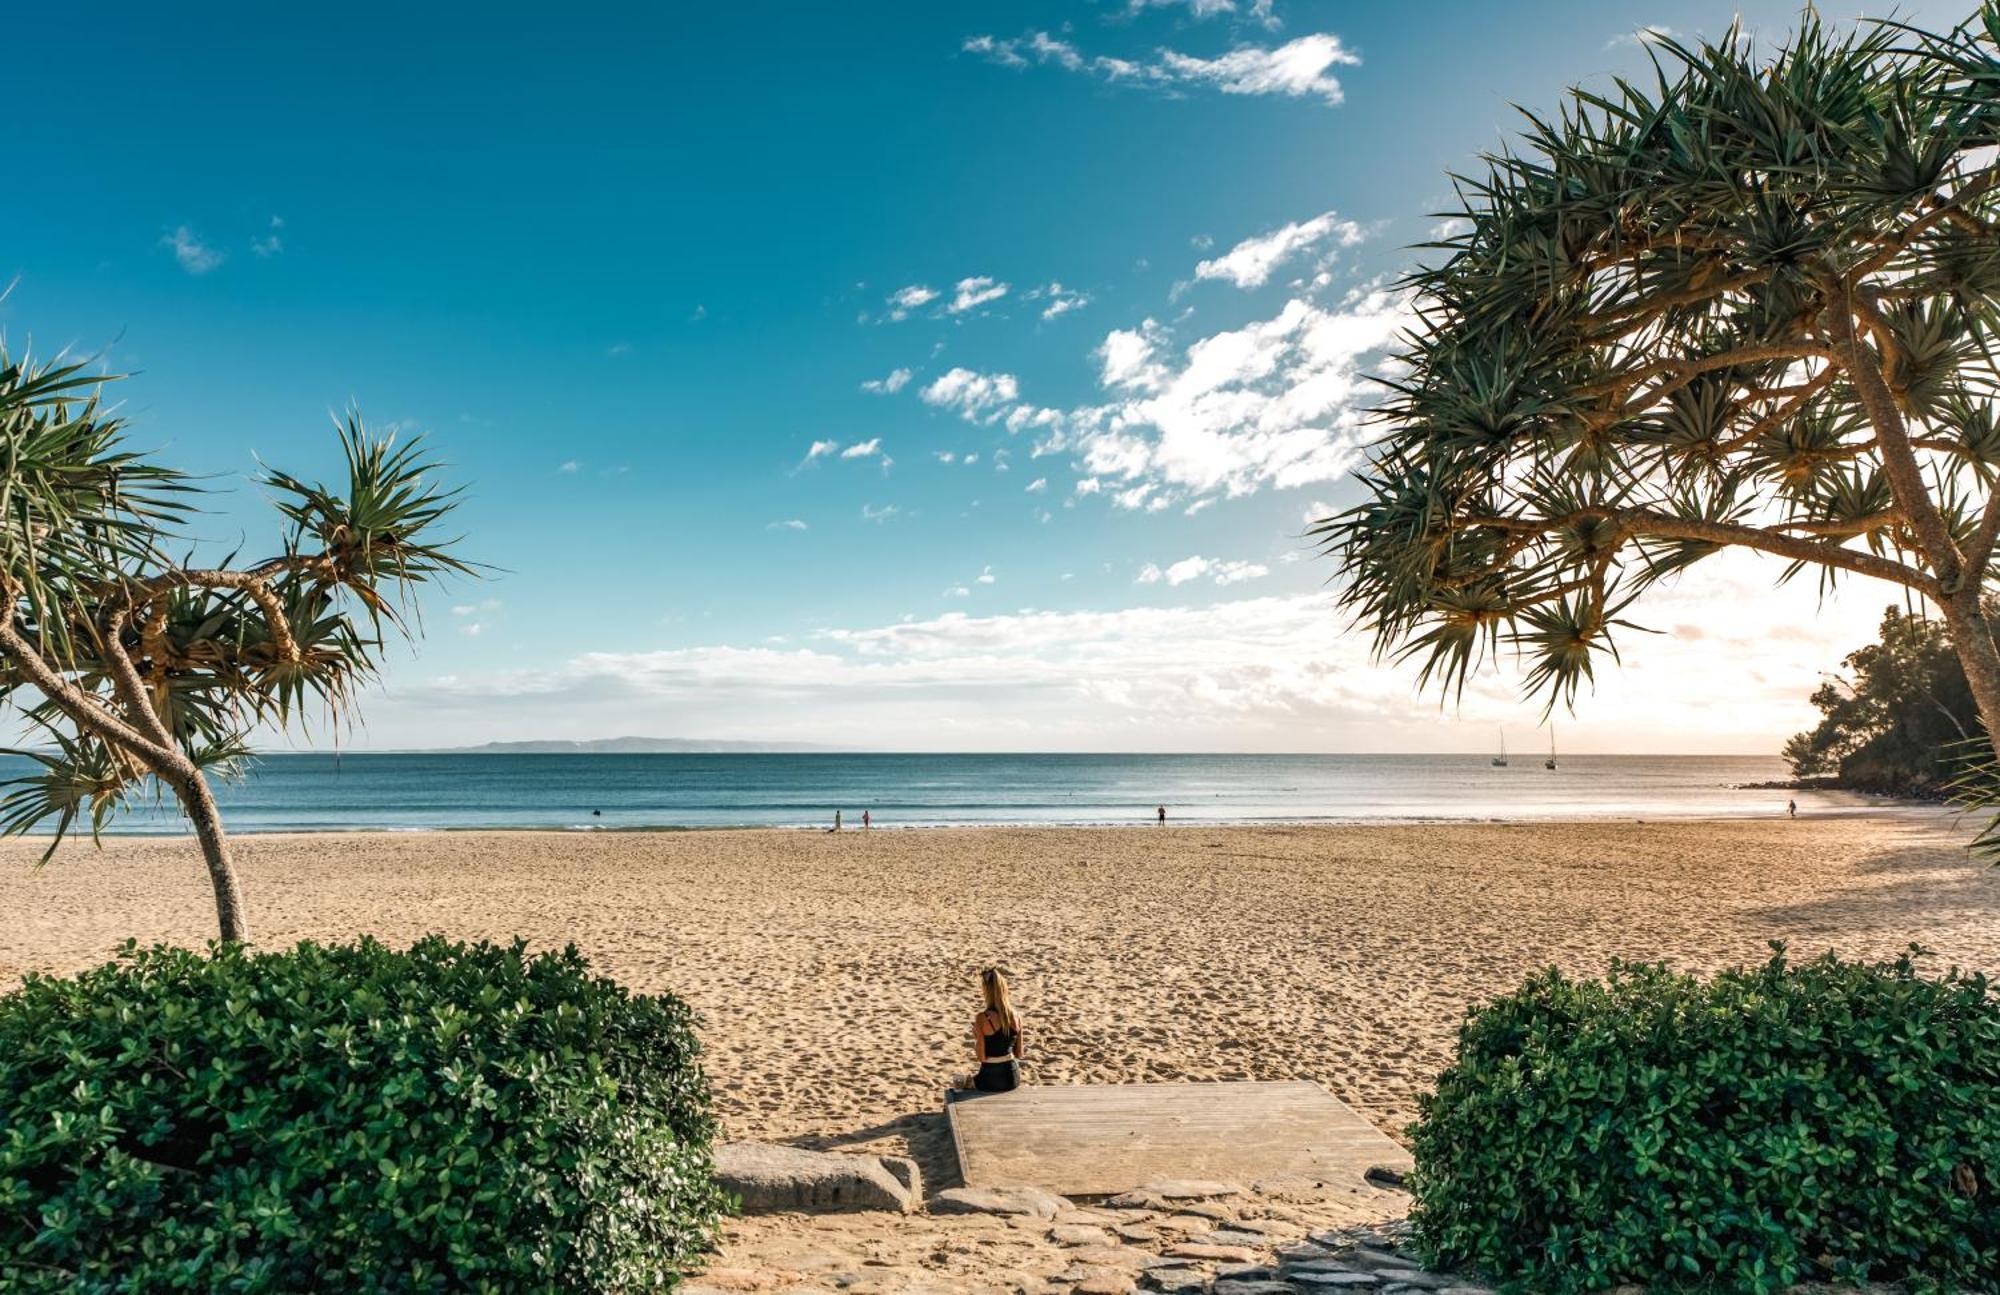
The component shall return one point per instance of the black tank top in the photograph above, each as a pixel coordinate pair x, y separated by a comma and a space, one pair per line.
1000, 1043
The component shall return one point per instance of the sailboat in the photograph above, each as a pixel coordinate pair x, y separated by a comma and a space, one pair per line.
1550, 763
1500, 761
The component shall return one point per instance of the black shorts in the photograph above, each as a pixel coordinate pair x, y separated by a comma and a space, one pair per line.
997, 1077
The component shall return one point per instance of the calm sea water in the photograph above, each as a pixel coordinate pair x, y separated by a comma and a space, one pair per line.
416, 792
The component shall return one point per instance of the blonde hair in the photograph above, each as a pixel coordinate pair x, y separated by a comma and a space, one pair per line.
993, 988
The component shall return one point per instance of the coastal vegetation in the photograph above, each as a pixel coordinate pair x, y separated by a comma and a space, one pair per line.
350, 1117
1824, 1121
135, 668
1748, 303
1898, 720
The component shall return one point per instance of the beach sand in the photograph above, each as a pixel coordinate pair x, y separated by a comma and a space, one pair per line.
835, 973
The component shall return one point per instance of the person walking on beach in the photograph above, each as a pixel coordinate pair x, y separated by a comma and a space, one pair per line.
996, 1036
865, 820
1163, 815
836, 822
1791, 809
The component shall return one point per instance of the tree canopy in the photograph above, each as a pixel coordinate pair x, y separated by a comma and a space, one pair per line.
133, 668
1899, 719
1750, 302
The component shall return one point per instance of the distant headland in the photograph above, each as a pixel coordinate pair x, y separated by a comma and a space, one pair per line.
638, 746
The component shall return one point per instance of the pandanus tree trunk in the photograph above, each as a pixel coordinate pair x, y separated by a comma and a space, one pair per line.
1958, 568
198, 800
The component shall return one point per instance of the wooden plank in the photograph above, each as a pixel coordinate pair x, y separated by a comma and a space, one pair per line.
1098, 1139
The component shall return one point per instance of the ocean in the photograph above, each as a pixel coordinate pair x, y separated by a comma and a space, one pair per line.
415, 792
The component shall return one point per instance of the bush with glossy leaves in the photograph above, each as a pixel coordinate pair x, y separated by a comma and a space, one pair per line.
1823, 1121
350, 1117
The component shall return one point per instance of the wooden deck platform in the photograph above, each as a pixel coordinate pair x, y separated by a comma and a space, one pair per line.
1099, 1139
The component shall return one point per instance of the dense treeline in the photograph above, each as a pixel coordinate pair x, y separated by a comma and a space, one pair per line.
1897, 720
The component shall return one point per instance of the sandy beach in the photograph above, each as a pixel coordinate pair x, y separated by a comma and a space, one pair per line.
835, 972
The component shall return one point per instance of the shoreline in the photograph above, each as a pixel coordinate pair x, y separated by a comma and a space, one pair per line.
1880, 806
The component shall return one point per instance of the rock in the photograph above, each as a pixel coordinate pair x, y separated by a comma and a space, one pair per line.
1030, 1201
1370, 1257
1078, 1234
1206, 1210
1220, 1254
1138, 1233
1190, 1189
1078, 1214
1466, 1290
1388, 1176
1252, 1288
1175, 1281
1299, 1252
1228, 1237
1414, 1277
1110, 1256
772, 1179
1333, 1279
1141, 1200
1246, 1272
1106, 1282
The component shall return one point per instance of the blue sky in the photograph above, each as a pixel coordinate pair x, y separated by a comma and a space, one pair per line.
627, 268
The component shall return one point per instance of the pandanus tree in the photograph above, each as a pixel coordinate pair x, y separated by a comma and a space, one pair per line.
135, 671
1746, 303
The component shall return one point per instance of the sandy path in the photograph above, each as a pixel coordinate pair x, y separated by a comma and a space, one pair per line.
835, 972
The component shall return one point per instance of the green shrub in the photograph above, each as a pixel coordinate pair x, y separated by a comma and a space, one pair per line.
352, 1118
1830, 1120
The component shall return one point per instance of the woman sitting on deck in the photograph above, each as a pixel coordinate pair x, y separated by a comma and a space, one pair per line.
996, 1037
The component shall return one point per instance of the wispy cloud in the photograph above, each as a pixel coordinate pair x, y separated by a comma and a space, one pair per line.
1649, 35
1221, 571
986, 576
1039, 486
569, 467
889, 386
976, 396
789, 524
1299, 68
1259, 11
1251, 262
904, 300
1061, 300
271, 243
881, 513
195, 256
975, 292
863, 449
816, 451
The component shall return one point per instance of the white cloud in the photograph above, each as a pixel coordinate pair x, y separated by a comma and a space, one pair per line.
1250, 263
1295, 69
976, 396
1222, 572
1062, 300
1258, 11
819, 450
618, 350
271, 243
195, 256
904, 300
863, 449
957, 591
986, 576
1278, 402
889, 386
789, 524
1038, 486
1652, 34
1299, 68
1267, 673
569, 467
975, 292
872, 513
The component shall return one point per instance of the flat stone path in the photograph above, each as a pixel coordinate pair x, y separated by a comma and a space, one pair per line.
1101, 1139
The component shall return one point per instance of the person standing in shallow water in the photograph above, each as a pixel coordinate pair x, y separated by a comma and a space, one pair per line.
996, 1036
1163, 815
